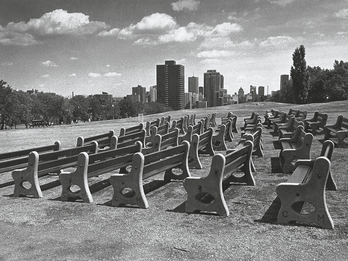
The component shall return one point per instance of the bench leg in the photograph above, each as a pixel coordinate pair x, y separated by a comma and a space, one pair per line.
341, 137
133, 182
79, 178
206, 194
30, 175
194, 161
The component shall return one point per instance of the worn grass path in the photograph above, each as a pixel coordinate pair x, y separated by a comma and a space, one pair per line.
48, 229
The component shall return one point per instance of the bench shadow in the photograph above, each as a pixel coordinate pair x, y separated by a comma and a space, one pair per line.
274, 134
6, 184
276, 145
271, 213
148, 187
276, 167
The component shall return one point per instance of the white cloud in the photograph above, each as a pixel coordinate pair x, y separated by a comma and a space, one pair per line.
180, 5
214, 54
277, 41
112, 74
210, 62
73, 75
112, 32
7, 64
57, 22
49, 63
178, 35
45, 76
94, 75
281, 2
342, 13
74, 58
226, 29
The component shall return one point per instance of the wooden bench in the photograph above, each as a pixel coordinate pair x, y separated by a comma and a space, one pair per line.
165, 120
18, 159
146, 166
270, 114
283, 121
191, 119
160, 142
288, 129
130, 139
254, 119
94, 165
316, 124
200, 144
26, 180
307, 184
130, 130
180, 124
102, 138
296, 147
338, 130
301, 115
38, 123
162, 129
222, 134
231, 117
206, 193
149, 124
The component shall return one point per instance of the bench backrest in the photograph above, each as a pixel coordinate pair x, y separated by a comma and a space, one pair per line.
149, 124
82, 141
137, 128
344, 123
127, 140
202, 140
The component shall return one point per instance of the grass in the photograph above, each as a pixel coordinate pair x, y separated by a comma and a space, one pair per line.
48, 229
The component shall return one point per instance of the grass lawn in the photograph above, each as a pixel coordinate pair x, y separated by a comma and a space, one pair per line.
48, 229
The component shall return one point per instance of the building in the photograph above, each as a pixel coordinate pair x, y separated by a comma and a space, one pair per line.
253, 93
153, 94
241, 97
141, 92
193, 84
214, 91
188, 100
104, 98
284, 79
261, 93
171, 85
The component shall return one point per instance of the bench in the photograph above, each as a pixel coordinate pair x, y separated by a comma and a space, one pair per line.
191, 119
206, 193
146, 166
200, 144
283, 121
223, 134
162, 129
254, 119
287, 130
180, 124
296, 147
307, 184
165, 120
26, 180
338, 130
94, 165
272, 114
18, 159
38, 123
102, 138
149, 124
231, 117
130, 130
316, 124
130, 139
301, 115
160, 142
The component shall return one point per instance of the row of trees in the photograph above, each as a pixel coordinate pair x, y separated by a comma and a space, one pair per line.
19, 107
314, 84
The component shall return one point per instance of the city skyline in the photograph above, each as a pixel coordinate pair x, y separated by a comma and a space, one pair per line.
87, 47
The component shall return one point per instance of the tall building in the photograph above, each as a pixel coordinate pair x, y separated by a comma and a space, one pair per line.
253, 92
141, 92
261, 91
283, 80
193, 84
171, 85
214, 91
240, 95
153, 94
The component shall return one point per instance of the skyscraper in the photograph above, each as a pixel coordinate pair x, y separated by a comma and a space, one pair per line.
141, 92
284, 79
193, 84
214, 88
171, 85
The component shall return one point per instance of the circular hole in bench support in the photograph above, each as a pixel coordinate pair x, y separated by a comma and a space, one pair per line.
26, 185
75, 189
205, 198
128, 192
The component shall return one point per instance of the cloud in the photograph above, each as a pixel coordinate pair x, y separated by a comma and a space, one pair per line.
214, 54
57, 22
112, 74
277, 41
74, 58
342, 13
156, 23
210, 62
45, 76
190, 5
73, 75
281, 2
112, 32
49, 63
226, 29
7, 64
94, 75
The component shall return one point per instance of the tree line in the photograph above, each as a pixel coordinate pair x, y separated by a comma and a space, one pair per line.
313, 84
20, 107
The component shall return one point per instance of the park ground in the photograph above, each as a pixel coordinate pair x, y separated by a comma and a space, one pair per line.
49, 229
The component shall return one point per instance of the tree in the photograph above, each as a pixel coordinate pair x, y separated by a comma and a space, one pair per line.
299, 75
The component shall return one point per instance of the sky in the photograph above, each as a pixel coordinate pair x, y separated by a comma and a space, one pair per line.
92, 46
